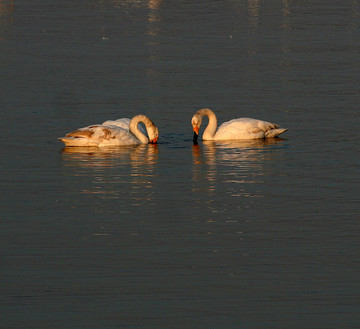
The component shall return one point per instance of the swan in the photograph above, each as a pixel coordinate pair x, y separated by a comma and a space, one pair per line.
114, 133
241, 128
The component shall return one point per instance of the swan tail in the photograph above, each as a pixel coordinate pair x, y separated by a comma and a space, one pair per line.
275, 132
68, 141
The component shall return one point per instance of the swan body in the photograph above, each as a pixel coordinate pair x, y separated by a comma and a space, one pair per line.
114, 133
242, 128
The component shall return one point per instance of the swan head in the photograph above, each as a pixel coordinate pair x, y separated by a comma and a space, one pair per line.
153, 133
196, 123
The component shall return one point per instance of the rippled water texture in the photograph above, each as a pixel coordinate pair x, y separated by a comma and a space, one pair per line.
248, 234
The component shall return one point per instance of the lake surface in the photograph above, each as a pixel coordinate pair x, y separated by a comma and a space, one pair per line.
251, 234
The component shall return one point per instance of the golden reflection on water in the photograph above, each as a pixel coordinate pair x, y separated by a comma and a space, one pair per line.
234, 152
151, 4
113, 171
154, 4
153, 30
233, 162
253, 10
7, 8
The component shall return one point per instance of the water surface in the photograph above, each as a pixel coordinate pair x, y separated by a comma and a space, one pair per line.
249, 234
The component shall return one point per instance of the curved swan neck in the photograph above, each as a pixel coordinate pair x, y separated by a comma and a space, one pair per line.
134, 129
210, 130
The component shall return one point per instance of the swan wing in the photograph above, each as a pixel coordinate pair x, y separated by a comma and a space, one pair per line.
123, 123
99, 135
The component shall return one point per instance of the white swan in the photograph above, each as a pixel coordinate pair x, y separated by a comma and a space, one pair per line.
113, 133
242, 128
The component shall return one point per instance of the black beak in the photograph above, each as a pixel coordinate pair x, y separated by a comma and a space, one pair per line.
195, 138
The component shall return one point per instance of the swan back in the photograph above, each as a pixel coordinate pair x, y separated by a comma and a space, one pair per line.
99, 135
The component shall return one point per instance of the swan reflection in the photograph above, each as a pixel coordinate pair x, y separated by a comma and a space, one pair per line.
113, 172
239, 153
109, 156
235, 163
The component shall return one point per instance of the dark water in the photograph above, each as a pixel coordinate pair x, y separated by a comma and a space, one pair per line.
218, 235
